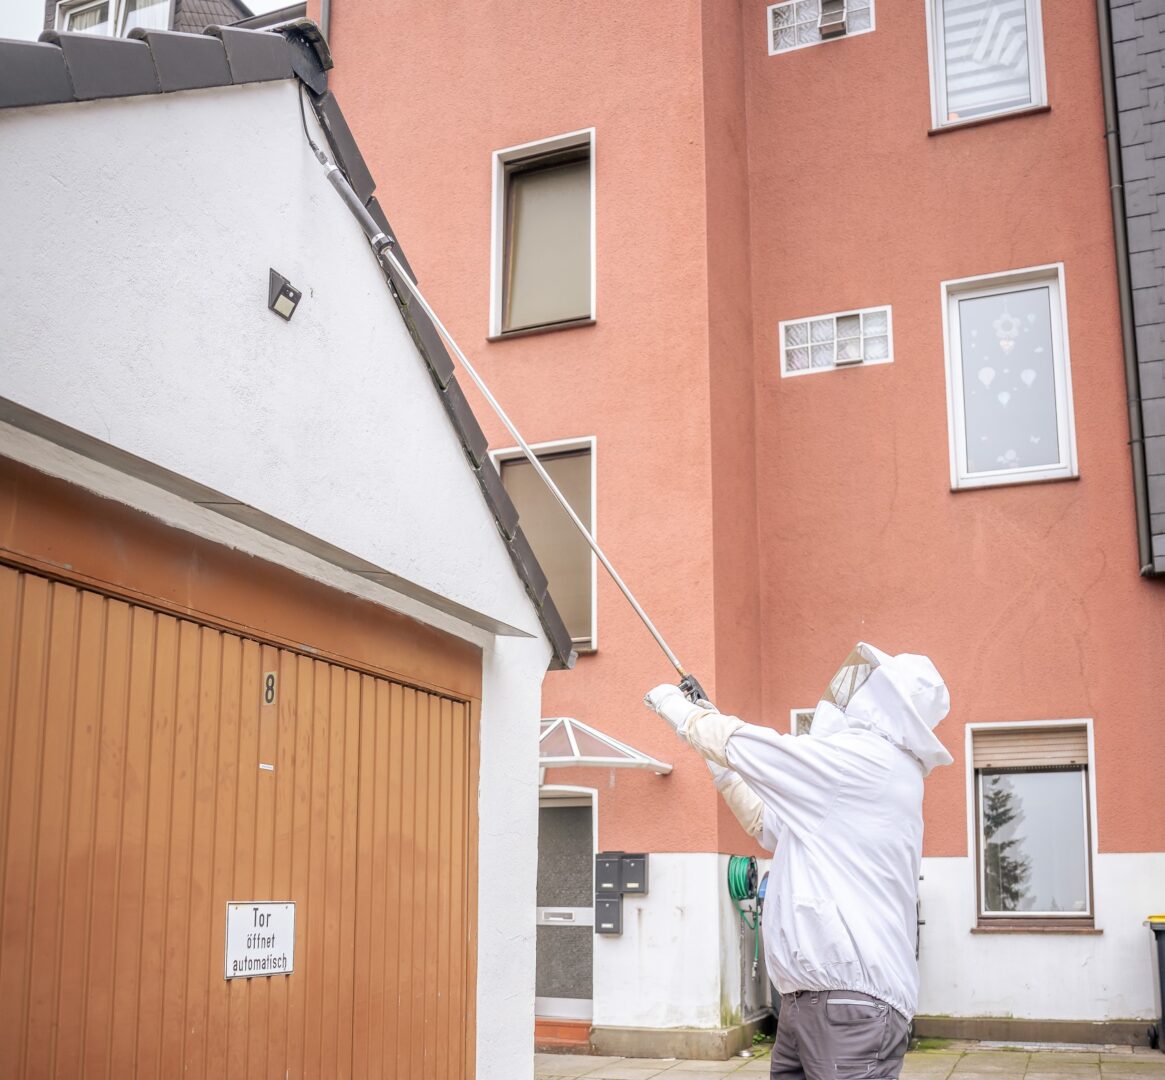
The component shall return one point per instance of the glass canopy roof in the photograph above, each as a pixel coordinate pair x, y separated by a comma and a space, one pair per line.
566, 741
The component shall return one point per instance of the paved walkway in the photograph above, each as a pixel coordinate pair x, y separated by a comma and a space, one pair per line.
957, 1061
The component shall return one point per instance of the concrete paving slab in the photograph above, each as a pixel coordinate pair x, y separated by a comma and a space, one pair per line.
682, 1069
1009, 1062
569, 1064
624, 1070
1063, 1072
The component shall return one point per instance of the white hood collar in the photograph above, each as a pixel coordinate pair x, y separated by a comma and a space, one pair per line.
903, 700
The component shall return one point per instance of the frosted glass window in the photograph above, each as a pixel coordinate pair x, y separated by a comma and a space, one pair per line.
829, 341
1033, 842
561, 551
1010, 384
151, 14
988, 58
547, 257
89, 20
793, 24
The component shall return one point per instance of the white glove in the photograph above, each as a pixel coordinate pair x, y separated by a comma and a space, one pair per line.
669, 702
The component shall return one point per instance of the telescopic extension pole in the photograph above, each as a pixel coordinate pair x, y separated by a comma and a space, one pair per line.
382, 245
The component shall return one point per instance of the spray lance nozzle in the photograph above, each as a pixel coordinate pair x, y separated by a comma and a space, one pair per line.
691, 689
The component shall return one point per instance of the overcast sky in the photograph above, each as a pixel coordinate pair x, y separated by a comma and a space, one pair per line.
25, 18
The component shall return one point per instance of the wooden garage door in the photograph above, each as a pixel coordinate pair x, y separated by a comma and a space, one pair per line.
133, 808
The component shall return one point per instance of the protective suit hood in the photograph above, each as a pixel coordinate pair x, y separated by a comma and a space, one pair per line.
901, 699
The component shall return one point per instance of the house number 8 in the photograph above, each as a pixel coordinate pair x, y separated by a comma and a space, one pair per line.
269, 688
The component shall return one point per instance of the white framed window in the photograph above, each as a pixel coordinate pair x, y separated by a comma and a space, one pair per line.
801, 720
1032, 823
1009, 386
543, 235
986, 58
112, 18
570, 566
795, 24
841, 339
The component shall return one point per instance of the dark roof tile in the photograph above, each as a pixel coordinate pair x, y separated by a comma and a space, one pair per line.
194, 16
254, 55
32, 73
527, 563
104, 67
343, 144
504, 510
432, 347
186, 61
310, 56
468, 429
564, 654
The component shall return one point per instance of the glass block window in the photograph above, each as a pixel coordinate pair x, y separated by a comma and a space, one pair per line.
801, 720
793, 24
1010, 405
986, 58
839, 340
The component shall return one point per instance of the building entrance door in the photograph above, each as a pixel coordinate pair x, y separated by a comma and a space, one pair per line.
566, 913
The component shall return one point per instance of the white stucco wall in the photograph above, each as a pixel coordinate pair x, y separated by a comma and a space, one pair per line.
677, 962
139, 234
1105, 976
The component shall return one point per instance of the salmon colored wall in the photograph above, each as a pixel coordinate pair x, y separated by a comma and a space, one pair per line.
455, 81
734, 190
1028, 597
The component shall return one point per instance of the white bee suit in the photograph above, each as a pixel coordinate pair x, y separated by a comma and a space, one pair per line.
842, 812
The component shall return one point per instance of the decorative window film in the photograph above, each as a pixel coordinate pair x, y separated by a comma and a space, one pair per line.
838, 340
986, 58
561, 552
543, 269
1032, 818
1010, 390
793, 24
800, 721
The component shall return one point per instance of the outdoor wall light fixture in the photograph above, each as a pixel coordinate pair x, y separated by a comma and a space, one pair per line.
282, 297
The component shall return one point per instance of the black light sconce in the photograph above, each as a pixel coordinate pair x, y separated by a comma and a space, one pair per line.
282, 297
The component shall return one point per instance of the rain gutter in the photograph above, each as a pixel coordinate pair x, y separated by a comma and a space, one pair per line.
1125, 291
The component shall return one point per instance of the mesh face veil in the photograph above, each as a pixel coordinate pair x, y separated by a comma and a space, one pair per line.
851, 676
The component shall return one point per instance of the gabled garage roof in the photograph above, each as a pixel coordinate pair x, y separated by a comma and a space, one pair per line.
65, 67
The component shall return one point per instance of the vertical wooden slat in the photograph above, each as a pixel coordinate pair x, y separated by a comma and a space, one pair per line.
79, 836
159, 783
408, 856
219, 994
391, 1020
56, 756
351, 792
107, 853
418, 900
364, 861
202, 965
318, 877
243, 872
282, 854
132, 834
431, 877
301, 856
15, 649
459, 759
378, 975
179, 883
445, 929
471, 872
262, 827
334, 855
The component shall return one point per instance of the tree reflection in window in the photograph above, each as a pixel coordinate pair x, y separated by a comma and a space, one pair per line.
1006, 867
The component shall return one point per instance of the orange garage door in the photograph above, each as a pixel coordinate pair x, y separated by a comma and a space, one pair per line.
134, 805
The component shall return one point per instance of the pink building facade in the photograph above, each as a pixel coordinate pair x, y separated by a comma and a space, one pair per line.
844, 362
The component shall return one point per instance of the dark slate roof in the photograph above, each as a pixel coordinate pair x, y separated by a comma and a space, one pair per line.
1138, 34
65, 67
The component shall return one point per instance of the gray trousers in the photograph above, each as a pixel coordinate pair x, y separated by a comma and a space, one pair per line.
838, 1035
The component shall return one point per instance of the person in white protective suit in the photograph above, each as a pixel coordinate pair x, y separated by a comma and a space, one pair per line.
842, 811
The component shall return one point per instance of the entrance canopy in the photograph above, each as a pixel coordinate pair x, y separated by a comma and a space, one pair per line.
566, 741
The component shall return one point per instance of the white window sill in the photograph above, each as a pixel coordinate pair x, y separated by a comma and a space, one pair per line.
979, 483
976, 121
550, 329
